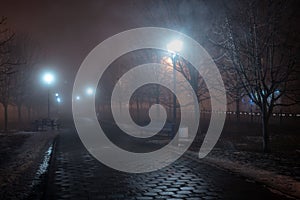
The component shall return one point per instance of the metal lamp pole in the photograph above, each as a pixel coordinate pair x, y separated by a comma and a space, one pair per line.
48, 78
48, 102
174, 47
174, 95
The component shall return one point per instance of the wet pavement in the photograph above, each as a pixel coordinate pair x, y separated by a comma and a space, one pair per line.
75, 174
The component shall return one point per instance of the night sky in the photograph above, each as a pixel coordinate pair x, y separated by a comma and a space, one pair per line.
68, 30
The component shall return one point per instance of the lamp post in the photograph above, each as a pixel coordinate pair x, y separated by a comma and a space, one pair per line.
48, 78
89, 91
251, 104
174, 47
58, 102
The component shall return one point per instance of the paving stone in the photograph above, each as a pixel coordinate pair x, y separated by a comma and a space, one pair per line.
184, 192
144, 198
166, 193
171, 189
150, 194
155, 190
161, 187
179, 195
187, 188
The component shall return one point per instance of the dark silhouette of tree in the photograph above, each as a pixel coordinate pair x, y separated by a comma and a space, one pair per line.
260, 49
190, 17
6, 68
26, 54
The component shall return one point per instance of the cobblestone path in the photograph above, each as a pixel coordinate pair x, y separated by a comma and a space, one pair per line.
75, 174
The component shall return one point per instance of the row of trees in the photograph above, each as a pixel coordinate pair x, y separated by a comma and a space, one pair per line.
255, 45
150, 94
18, 57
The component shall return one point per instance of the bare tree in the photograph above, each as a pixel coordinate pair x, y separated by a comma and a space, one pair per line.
6, 68
26, 53
181, 15
260, 50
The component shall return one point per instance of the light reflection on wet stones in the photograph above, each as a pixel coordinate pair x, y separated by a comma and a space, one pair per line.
77, 175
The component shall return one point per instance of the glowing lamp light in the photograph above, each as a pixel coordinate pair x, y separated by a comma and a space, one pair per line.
175, 46
48, 78
89, 91
251, 102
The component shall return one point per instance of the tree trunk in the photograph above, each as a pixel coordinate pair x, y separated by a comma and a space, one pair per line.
196, 106
19, 116
5, 117
265, 132
157, 100
137, 108
29, 113
237, 104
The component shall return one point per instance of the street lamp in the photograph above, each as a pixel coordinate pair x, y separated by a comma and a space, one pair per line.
58, 98
58, 102
89, 91
48, 78
251, 104
174, 47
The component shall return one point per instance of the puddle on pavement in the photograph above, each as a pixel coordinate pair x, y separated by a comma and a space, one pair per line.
40, 175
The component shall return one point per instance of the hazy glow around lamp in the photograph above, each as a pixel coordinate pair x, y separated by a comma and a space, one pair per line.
175, 46
89, 91
48, 78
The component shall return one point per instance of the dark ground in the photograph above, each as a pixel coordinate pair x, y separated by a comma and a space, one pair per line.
21, 154
75, 174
